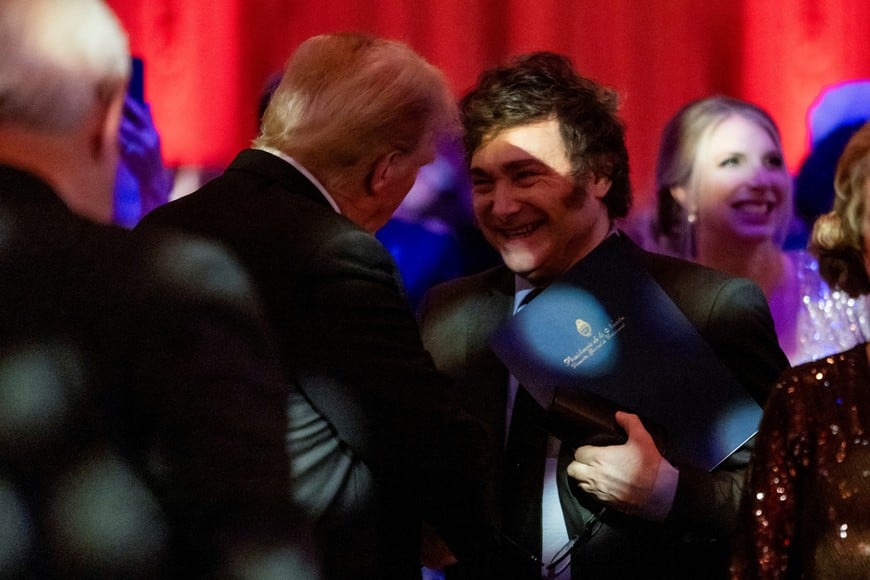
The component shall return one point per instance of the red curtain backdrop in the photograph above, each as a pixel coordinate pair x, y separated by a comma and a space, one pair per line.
206, 63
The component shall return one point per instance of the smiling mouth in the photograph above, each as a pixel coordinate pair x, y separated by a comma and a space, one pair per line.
754, 207
521, 232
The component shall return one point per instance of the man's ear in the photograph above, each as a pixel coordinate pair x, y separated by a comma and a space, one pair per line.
105, 125
598, 186
382, 173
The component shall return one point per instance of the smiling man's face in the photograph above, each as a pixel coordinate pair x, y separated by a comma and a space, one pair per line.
529, 205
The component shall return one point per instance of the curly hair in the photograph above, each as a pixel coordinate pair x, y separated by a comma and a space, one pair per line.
837, 239
544, 85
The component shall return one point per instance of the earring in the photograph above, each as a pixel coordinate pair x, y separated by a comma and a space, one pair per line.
689, 235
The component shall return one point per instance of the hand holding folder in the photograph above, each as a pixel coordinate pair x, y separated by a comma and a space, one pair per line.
607, 337
580, 417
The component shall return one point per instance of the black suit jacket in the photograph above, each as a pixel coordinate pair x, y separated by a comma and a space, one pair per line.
351, 342
156, 380
457, 319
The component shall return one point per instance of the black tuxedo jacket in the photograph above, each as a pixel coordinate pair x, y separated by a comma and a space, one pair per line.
351, 342
154, 377
457, 319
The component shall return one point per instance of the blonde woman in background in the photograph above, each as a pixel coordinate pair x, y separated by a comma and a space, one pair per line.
724, 200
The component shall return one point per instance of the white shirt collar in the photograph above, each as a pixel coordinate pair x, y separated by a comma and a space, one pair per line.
521, 288
304, 172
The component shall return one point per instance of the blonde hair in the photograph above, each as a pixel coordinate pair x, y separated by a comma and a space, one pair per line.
57, 58
682, 139
837, 238
346, 99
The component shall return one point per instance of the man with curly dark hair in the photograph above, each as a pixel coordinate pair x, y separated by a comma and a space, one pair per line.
550, 176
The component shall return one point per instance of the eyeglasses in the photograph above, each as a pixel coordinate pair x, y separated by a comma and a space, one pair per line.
562, 558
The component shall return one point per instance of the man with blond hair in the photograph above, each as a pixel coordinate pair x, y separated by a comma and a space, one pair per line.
349, 125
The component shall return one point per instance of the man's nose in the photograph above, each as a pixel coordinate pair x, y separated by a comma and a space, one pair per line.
504, 200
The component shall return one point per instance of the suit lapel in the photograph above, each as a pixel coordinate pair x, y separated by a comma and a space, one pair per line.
490, 312
487, 380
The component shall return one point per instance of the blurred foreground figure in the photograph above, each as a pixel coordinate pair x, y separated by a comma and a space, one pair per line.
142, 415
807, 507
345, 132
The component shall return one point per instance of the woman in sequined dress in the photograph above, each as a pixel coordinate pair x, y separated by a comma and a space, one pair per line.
807, 509
725, 199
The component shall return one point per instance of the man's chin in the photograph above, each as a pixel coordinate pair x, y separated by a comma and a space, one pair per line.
520, 265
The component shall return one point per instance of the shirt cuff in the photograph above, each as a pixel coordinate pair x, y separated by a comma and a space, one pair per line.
664, 491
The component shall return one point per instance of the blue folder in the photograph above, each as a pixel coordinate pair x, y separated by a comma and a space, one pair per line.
609, 331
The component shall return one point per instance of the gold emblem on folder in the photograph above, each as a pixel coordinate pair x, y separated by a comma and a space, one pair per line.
583, 328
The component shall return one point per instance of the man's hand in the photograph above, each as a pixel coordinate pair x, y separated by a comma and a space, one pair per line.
633, 477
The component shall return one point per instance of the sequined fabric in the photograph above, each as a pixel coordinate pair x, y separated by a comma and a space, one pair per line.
829, 321
807, 509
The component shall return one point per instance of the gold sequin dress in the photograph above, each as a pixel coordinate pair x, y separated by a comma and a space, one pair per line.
807, 509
